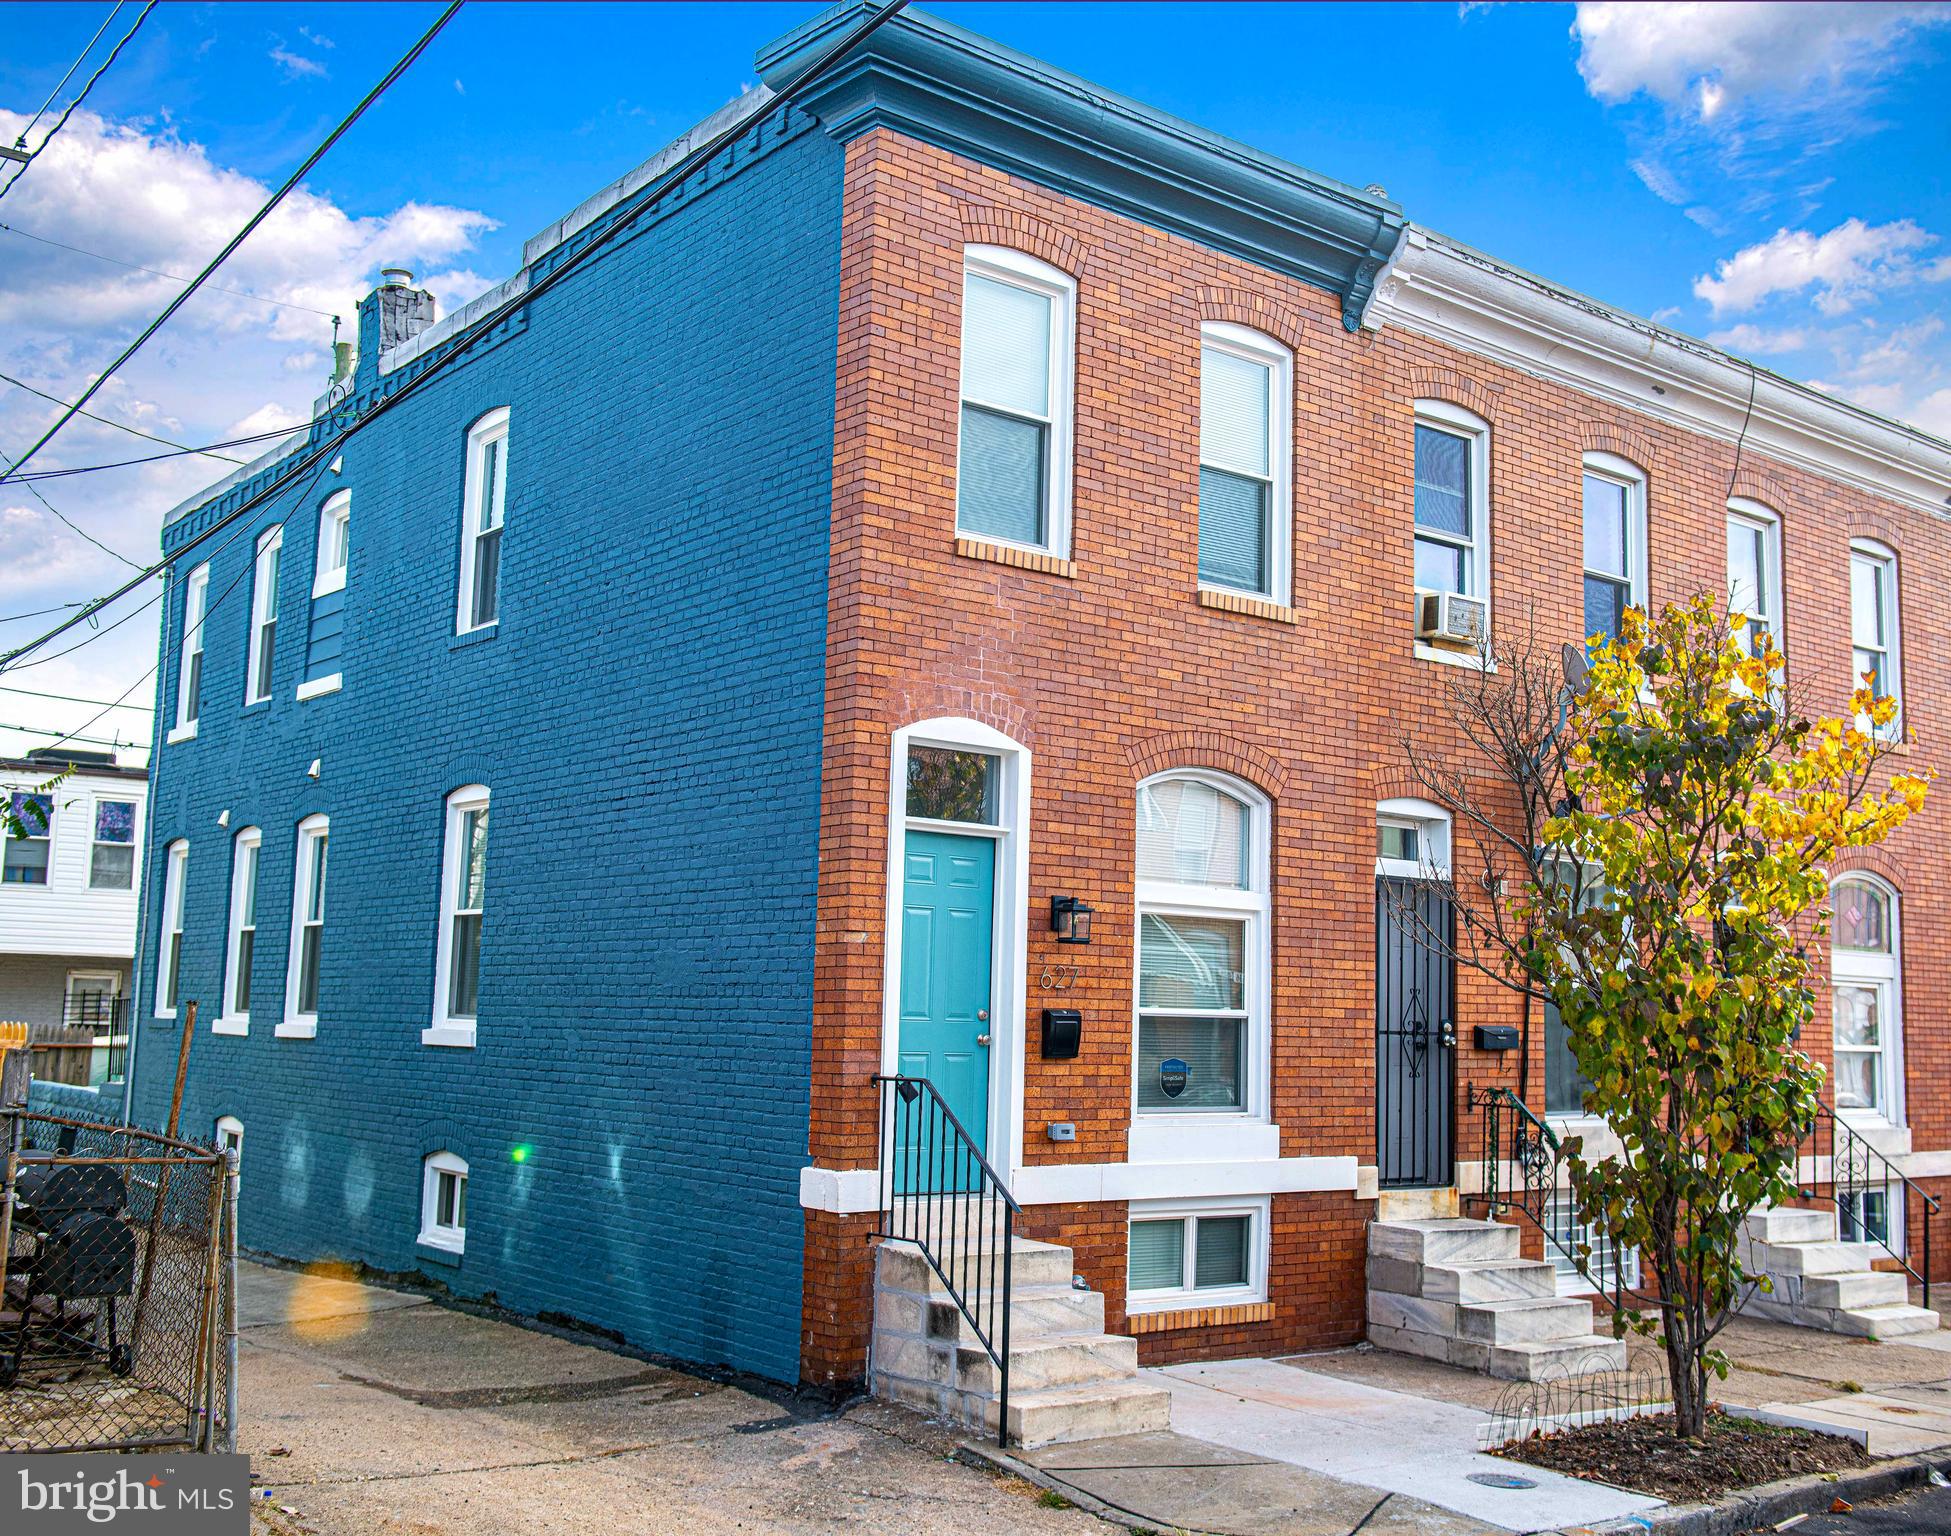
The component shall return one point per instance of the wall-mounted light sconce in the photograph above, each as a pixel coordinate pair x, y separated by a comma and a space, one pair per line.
1070, 919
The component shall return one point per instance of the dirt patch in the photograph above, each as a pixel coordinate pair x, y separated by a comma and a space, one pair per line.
1647, 1455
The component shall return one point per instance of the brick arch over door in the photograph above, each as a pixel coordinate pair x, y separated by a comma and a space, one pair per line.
1208, 749
944, 700
985, 224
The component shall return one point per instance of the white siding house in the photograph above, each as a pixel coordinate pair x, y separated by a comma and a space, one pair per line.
68, 900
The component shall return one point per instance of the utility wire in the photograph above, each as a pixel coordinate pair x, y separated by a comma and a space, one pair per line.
152, 458
68, 698
113, 11
14, 618
34, 491
243, 234
235, 293
62, 121
119, 425
482, 326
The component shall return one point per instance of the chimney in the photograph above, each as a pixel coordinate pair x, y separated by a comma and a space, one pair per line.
404, 310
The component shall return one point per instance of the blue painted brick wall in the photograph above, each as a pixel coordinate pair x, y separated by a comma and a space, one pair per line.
648, 719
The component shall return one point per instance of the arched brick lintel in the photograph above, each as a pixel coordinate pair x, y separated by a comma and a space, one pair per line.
1208, 749
1256, 311
986, 224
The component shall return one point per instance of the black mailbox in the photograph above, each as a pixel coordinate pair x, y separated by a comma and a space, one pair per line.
1496, 1037
1063, 1028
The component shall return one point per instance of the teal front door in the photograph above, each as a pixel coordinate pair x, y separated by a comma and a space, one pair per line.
947, 924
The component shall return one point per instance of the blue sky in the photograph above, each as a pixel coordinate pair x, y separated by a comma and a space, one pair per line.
1772, 176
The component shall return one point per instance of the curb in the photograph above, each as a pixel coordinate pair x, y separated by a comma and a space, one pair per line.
1767, 1505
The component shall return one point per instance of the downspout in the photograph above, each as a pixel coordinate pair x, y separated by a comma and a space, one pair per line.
148, 826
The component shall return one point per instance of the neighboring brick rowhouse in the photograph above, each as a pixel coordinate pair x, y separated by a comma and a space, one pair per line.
647, 717
1115, 670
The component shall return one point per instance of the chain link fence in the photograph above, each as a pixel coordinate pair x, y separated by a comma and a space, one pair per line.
118, 1319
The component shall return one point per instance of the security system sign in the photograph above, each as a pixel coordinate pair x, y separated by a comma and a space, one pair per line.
1173, 1075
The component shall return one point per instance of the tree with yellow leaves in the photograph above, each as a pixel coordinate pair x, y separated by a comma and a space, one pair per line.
1668, 911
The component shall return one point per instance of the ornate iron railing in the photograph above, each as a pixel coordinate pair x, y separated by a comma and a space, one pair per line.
1538, 1188
939, 1193
1864, 1183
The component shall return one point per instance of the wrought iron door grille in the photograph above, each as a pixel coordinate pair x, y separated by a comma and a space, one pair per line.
1415, 1033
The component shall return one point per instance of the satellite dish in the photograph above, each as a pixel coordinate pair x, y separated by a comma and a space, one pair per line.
1578, 668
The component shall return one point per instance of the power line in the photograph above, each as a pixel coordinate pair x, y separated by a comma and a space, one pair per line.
68, 698
235, 293
62, 121
14, 618
243, 234
152, 458
113, 11
34, 491
8, 663
674, 175
119, 425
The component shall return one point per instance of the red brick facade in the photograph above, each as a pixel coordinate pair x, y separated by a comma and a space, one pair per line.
1110, 669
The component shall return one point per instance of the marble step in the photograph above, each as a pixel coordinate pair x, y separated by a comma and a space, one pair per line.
1823, 1258
1035, 1311
1489, 1280
1788, 1224
1053, 1362
1457, 1240
1097, 1411
1031, 1263
1532, 1320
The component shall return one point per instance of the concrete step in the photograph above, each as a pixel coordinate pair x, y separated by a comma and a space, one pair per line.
1891, 1322
1584, 1356
1035, 1311
1055, 1362
1856, 1288
1059, 1415
1458, 1240
1489, 1280
1531, 1320
903, 1266
1824, 1258
1789, 1224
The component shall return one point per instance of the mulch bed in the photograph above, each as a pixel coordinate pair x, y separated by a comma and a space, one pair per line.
1647, 1455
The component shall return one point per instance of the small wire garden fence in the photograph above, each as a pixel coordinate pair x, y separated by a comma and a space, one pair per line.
1573, 1394
117, 1289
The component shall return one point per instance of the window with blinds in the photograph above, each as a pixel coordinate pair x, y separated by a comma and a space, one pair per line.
1202, 1255
1015, 409
1243, 406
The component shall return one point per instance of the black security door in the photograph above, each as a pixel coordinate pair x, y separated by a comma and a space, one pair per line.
1415, 1033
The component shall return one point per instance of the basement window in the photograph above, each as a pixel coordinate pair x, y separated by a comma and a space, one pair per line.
1207, 1254
443, 1202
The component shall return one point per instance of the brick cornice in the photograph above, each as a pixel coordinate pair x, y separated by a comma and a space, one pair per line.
987, 224
1208, 749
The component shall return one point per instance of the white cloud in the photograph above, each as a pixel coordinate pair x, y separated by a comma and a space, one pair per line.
1658, 180
1848, 266
294, 65
1759, 340
1702, 58
1933, 413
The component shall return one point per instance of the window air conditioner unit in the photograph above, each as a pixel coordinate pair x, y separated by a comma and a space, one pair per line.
1448, 618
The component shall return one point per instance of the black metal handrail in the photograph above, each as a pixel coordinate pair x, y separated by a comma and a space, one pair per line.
1853, 1176
1543, 1194
939, 1193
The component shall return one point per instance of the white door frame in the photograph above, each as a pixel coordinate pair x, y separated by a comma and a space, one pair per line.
1009, 943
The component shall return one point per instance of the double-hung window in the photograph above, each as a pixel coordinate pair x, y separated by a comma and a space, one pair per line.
1873, 625
189, 669
241, 950
1202, 947
111, 861
1245, 435
307, 930
1013, 473
1754, 573
443, 1202
1452, 487
169, 953
1863, 987
463, 885
325, 641
24, 860
1203, 1253
1615, 544
264, 614
484, 496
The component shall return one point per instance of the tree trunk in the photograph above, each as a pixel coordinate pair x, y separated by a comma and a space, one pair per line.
1686, 1373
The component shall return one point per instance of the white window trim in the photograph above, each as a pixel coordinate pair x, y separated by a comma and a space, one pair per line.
317, 687
1258, 1211
176, 869
228, 1020
257, 687
433, 1234
1458, 422
1163, 1135
1625, 473
1872, 549
1258, 347
1004, 265
1435, 829
1768, 523
230, 1125
196, 594
491, 428
337, 508
445, 1028
55, 814
110, 1040
1858, 968
95, 841
296, 1025
1009, 939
